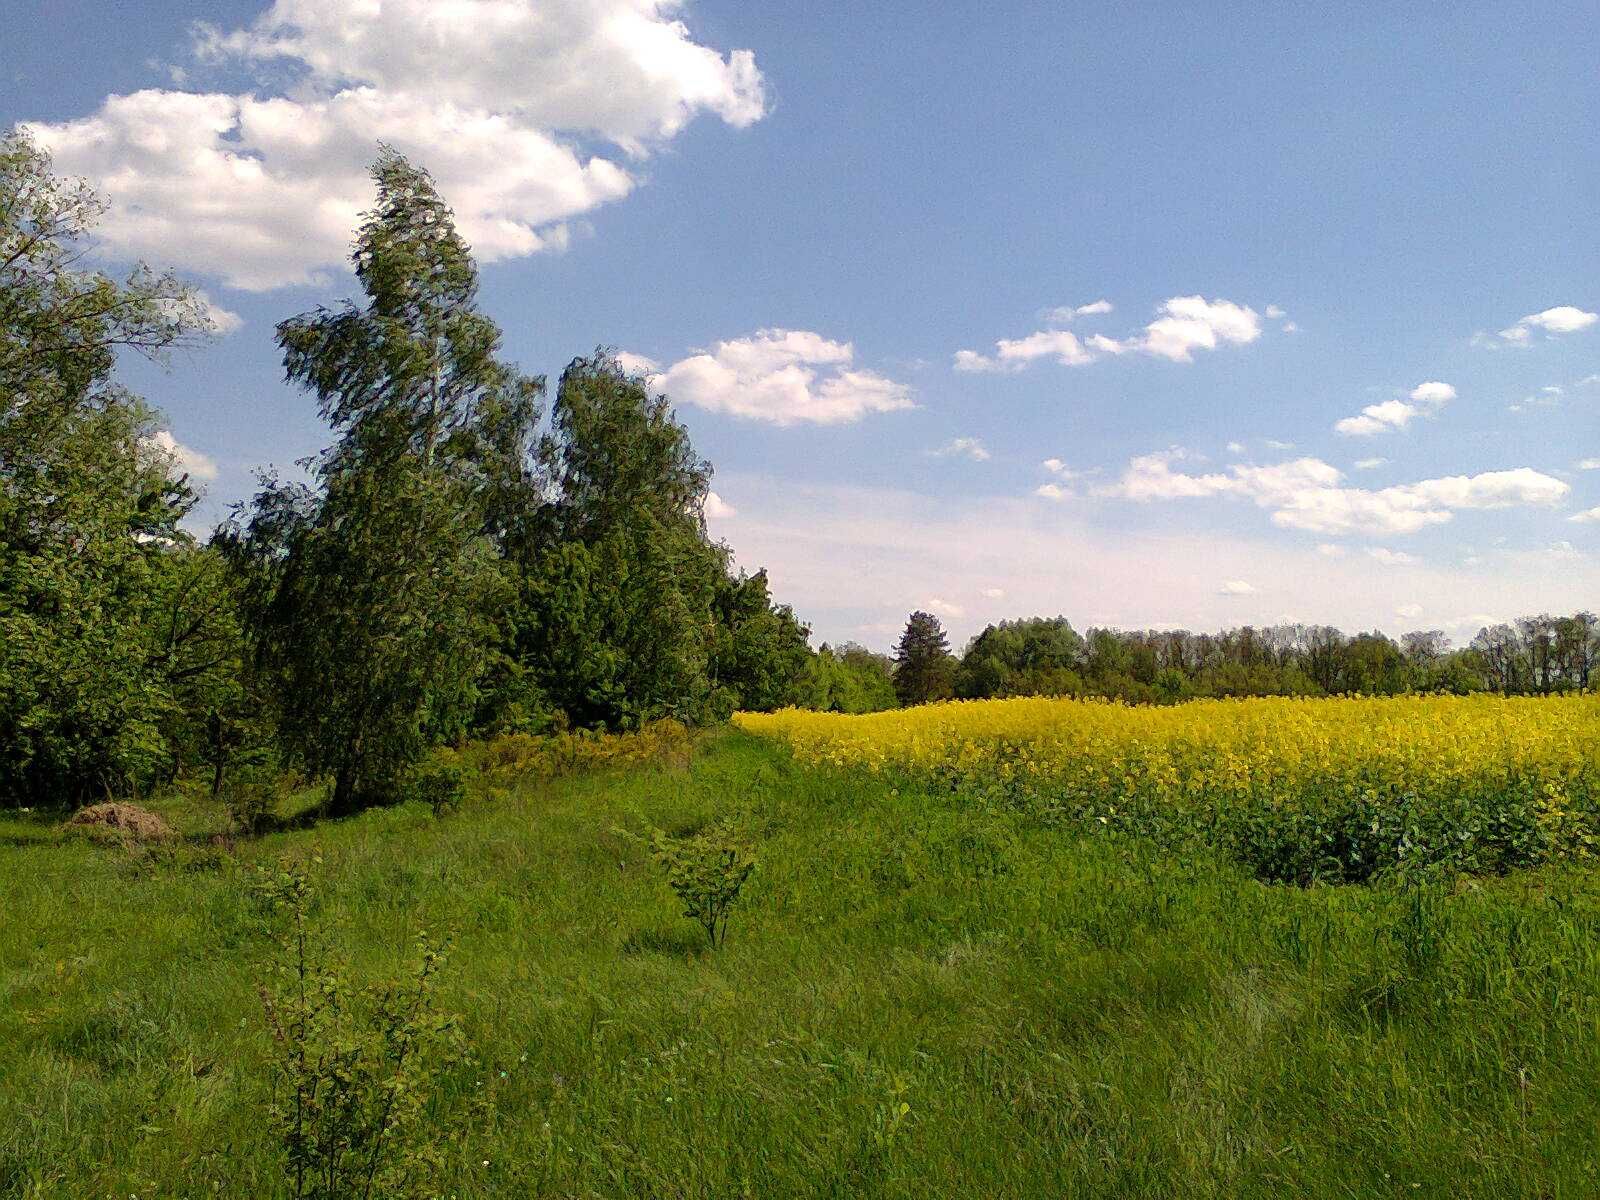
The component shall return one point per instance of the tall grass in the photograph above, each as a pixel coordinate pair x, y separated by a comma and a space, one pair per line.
927, 995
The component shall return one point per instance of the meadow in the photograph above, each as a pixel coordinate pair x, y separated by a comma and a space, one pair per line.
937, 981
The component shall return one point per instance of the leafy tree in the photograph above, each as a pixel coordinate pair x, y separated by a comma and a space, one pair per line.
371, 595
761, 652
1034, 657
924, 666
92, 673
850, 679
628, 611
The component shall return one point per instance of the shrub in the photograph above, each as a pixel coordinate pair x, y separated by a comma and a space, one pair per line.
438, 785
251, 798
707, 870
353, 1072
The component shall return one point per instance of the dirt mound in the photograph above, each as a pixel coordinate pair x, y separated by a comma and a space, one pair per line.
127, 819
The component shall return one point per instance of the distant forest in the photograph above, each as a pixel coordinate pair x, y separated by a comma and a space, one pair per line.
1045, 656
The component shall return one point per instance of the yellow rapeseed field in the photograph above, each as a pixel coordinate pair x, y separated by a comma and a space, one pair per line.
1484, 780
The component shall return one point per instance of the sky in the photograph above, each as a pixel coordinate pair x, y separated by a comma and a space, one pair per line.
1144, 316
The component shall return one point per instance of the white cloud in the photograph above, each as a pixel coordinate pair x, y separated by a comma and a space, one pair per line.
180, 459
1052, 491
944, 608
1275, 444
1235, 447
963, 447
1390, 558
1588, 380
1068, 312
494, 96
1183, 325
994, 593
637, 364
1014, 355
1589, 516
1060, 469
785, 376
1330, 550
1564, 318
1589, 464
1370, 464
1409, 612
1236, 587
1274, 312
1308, 494
1563, 551
717, 508
1397, 414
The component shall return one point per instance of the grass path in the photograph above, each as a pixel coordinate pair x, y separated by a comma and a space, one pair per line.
1063, 1016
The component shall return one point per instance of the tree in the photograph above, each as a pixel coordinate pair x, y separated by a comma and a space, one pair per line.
924, 666
91, 678
761, 652
372, 595
615, 623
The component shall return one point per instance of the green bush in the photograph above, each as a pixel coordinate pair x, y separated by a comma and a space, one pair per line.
353, 1071
707, 870
439, 785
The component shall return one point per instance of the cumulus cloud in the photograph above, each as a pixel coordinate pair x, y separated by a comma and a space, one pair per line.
1183, 325
963, 447
1069, 312
944, 608
1409, 612
1052, 491
1589, 464
180, 459
1370, 464
1424, 399
783, 376
1589, 516
1308, 494
717, 508
496, 97
1236, 587
1390, 558
994, 593
1564, 318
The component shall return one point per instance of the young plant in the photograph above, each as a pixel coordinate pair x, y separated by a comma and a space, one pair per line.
353, 1071
707, 871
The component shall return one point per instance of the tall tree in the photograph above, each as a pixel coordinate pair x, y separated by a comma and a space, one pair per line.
616, 623
90, 502
924, 666
371, 596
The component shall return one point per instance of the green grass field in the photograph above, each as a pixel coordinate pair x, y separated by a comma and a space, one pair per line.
1063, 1014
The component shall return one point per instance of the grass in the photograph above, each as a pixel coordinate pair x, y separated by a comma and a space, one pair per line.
918, 997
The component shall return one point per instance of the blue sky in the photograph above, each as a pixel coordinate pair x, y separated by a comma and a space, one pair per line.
1294, 218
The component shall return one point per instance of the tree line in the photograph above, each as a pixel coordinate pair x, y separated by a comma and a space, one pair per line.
1045, 656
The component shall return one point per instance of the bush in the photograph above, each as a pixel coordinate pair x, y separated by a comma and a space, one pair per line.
438, 785
353, 1072
707, 870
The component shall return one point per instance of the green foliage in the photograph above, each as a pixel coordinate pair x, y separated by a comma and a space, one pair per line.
1035, 657
760, 654
353, 1072
106, 642
628, 613
707, 870
439, 785
372, 598
849, 679
924, 666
